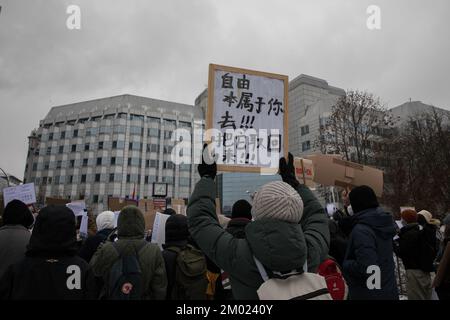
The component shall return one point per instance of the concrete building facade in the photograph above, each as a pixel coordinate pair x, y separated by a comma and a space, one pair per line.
116, 146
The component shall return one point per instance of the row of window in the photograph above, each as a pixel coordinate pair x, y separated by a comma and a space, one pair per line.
112, 177
87, 162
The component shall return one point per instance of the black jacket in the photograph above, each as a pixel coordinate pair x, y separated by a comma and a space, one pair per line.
50, 269
370, 244
37, 278
338, 242
91, 244
417, 248
236, 227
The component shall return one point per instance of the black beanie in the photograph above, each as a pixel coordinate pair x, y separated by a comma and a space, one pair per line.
362, 198
241, 209
17, 212
54, 233
177, 228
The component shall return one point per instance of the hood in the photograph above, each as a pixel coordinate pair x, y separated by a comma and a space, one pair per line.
279, 245
131, 223
379, 220
54, 233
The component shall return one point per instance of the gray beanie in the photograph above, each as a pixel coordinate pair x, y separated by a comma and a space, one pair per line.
277, 200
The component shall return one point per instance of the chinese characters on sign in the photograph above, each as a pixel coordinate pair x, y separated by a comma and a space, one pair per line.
247, 113
25, 193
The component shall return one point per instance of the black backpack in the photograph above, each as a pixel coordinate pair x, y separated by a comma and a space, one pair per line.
190, 274
125, 277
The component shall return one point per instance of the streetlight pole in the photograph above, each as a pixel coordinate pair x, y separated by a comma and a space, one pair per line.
6, 175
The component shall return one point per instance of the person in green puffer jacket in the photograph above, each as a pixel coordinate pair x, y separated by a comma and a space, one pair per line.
290, 226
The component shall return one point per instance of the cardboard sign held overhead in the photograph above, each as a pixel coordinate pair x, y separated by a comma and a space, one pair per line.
56, 201
331, 170
249, 110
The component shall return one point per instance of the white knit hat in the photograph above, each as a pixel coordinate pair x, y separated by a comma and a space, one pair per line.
105, 220
277, 200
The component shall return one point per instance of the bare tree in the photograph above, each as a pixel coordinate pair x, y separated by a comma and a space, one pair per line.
355, 125
417, 163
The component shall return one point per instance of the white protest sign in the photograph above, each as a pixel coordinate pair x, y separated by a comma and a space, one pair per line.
25, 193
116, 218
159, 229
247, 117
78, 207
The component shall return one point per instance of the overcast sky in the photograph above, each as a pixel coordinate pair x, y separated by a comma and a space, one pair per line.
161, 49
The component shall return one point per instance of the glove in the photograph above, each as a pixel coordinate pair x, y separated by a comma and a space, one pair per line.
287, 171
205, 169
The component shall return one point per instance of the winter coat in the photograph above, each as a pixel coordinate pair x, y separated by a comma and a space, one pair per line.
13, 244
51, 270
370, 244
278, 245
236, 227
417, 247
131, 235
338, 242
91, 244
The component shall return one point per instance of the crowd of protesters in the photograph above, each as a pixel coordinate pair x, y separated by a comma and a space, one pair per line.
283, 233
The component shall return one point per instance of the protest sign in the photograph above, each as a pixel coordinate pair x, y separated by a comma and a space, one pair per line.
179, 206
116, 204
159, 204
24, 192
331, 170
247, 118
159, 229
78, 207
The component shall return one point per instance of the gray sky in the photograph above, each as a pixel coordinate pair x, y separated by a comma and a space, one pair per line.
161, 49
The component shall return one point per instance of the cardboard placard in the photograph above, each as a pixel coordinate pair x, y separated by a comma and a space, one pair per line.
331, 170
116, 204
24, 192
241, 99
304, 171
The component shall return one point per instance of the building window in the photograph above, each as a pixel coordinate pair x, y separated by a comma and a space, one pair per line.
58, 164
49, 151
128, 178
83, 178
100, 145
46, 165
153, 132
167, 134
85, 162
129, 161
75, 133
70, 179
61, 149
50, 137
86, 147
63, 135
95, 199
185, 167
97, 177
44, 180
304, 130
306, 146
185, 182
72, 163
49, 181
111, 177
99, 161
168, 165
113, 161
34, 166
74, 148
168, 149
153, 163
114, 144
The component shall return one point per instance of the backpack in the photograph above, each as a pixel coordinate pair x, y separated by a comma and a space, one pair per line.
125, 277
292, 286
190, 274
330, 270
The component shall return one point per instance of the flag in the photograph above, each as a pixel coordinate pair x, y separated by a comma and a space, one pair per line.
134, 192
